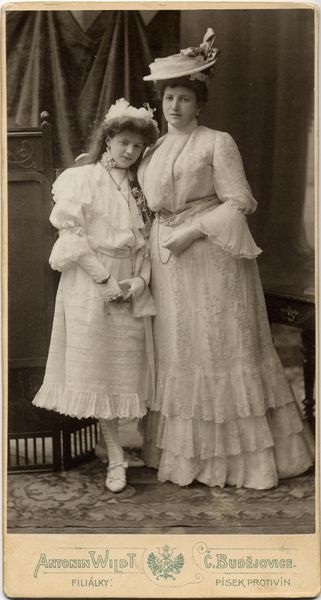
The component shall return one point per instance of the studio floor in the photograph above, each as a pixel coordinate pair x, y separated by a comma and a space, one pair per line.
77, 500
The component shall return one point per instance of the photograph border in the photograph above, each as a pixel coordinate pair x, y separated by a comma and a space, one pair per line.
124, 562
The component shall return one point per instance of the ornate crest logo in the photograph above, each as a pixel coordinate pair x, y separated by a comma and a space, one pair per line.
166, 566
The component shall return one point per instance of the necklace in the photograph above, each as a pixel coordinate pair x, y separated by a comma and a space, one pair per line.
118, 184
164, 258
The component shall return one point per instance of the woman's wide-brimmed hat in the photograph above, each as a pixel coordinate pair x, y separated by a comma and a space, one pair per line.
193, 62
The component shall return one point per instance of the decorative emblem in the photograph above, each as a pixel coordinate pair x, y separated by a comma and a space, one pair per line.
22, 155
168, 565
289, 314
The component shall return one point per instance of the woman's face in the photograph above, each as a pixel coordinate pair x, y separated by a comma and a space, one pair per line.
125, 148
180, 106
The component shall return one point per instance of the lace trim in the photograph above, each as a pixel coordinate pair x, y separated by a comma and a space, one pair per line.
196, 438
235, 392
256, 470
227, 227
251, 252
89, 404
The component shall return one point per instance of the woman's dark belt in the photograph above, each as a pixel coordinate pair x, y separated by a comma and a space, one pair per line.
191, 208
166, 217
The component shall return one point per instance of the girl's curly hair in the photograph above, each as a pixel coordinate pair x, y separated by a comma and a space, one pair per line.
97, 144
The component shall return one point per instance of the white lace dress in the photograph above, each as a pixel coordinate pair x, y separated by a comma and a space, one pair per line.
100, 361
223, 411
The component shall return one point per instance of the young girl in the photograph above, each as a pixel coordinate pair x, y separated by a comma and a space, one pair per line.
100, 361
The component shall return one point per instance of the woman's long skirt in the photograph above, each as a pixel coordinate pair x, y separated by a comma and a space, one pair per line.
224, 412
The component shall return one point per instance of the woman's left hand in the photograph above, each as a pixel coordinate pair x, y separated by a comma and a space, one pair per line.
133, 287
181, 239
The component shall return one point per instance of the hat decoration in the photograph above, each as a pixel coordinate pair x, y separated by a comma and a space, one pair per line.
122, 109
194, 62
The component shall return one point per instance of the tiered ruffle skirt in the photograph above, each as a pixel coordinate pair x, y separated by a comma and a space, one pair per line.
224, 412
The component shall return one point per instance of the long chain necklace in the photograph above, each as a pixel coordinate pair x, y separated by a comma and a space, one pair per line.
118, 184
166, 252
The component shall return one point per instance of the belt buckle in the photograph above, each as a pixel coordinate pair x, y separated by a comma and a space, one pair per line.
167, 218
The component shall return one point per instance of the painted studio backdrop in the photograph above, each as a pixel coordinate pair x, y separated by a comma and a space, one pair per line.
64, 69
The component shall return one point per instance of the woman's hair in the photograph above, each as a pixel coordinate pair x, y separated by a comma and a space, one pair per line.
97, 143
198, 87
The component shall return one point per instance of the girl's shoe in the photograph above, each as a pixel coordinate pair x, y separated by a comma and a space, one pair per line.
116, 477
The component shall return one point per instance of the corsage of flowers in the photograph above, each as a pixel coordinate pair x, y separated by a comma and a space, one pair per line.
141, 202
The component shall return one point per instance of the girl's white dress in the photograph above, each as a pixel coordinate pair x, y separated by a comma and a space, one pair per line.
100, 361
223, 411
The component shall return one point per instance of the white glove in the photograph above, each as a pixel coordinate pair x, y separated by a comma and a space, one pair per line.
133, 287
182, 238
110, 290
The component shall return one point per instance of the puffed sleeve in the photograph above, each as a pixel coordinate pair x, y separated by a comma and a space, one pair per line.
226, 225
73, 197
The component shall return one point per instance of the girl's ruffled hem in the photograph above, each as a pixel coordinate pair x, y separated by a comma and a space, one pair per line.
84, 405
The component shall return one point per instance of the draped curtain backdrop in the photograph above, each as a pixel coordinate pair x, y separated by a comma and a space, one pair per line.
53, 64
262, 94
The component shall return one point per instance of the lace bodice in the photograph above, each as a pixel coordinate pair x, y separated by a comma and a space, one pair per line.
185, 167
195, 164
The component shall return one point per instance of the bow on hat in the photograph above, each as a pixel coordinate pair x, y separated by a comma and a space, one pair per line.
206, 48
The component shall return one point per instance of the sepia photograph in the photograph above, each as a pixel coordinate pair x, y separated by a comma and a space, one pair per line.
161, 277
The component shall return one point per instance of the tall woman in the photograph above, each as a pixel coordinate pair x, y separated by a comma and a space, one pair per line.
224, 412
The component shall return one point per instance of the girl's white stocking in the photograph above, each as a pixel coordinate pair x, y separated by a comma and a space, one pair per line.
109, 430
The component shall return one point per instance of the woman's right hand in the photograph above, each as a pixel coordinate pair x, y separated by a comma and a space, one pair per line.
111, 291
182, 238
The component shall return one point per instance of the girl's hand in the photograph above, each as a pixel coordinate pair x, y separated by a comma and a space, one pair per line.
182, 238
111, 291
133, 287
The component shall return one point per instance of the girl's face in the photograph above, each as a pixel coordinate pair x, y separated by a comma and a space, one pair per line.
180, 106
125, 148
